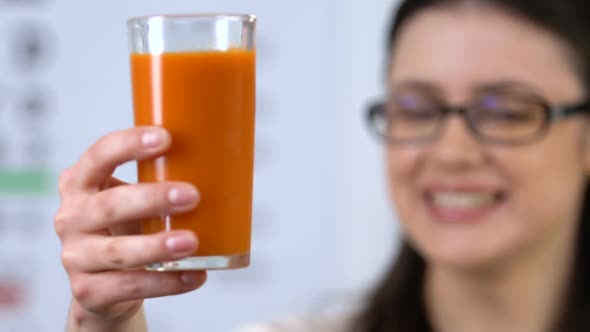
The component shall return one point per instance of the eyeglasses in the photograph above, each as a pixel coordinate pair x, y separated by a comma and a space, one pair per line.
505, 119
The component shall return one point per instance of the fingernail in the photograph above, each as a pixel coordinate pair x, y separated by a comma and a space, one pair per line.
152, 138
180, 243
183, 195
189, 278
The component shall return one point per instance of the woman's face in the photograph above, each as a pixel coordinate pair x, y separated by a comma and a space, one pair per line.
470, 204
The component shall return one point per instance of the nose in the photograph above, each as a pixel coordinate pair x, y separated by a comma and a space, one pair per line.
457, 148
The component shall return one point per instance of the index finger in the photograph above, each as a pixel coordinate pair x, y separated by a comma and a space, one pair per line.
98, 163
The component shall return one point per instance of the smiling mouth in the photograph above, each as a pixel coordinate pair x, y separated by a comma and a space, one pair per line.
463, 200
463, 206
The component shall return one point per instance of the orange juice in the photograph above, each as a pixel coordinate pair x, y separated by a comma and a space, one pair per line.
206, 100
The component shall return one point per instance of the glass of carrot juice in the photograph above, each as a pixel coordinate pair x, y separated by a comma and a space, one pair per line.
194, 75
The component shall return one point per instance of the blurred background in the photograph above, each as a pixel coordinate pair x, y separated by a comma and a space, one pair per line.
323, 228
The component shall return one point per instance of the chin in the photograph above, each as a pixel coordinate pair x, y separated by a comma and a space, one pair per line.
473, 254
471, 262
473, 244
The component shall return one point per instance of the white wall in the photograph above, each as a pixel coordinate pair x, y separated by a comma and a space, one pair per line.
322, 221
358, 78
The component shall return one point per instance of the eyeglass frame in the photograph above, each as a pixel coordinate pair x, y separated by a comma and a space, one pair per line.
552, 114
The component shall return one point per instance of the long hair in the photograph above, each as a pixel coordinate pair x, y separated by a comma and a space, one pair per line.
397, 304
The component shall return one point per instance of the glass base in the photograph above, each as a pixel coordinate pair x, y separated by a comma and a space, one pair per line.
203, 263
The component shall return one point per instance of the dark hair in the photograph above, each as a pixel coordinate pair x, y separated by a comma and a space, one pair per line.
397, 304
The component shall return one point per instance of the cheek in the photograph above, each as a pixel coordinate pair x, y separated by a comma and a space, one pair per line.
404, 165
547, 178
545, 185
548, 190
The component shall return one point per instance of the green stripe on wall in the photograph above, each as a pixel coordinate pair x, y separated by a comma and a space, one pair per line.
26, 181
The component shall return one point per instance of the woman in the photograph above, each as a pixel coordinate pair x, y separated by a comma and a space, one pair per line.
488, 151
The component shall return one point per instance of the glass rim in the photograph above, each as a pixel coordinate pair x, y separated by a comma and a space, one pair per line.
192, 16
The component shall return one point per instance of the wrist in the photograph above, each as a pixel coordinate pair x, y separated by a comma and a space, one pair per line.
82, 320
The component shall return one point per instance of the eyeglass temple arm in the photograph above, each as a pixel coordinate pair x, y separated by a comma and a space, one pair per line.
563, 112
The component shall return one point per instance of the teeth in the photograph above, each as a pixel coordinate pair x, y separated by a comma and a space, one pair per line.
463, 200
